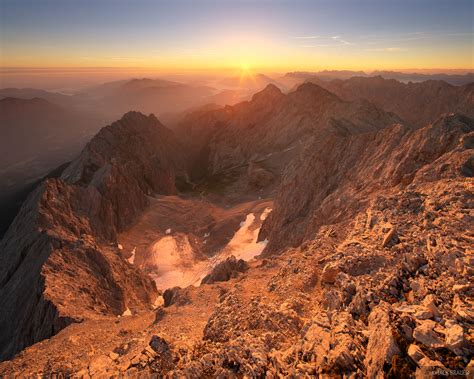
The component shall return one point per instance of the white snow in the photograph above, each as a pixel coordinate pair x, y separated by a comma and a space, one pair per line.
132, 258
175, 263
243, 244
127, 312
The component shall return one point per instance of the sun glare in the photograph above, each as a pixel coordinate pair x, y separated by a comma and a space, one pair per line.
245, 73
244, 66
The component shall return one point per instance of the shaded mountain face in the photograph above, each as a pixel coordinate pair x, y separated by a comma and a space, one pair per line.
37, 128
31, 93
366, 264
59, 259
272, 128
417, 103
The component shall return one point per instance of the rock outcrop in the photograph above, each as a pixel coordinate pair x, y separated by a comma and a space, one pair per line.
257, 139
223, 271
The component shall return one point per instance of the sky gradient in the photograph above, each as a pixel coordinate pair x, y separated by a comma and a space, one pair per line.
273, 35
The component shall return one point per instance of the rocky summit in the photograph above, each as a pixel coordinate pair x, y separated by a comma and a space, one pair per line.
326, 232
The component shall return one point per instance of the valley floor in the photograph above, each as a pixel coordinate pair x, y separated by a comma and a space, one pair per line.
178, 240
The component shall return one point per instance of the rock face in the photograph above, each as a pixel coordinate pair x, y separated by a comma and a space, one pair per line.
335, 175
58, 260
175, 295
381, 346
263, 135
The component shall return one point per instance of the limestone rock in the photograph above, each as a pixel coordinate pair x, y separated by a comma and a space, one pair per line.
454, 338
225, 270
176, 295
425, 334
61, 241
329, 274
382, 345
415, 353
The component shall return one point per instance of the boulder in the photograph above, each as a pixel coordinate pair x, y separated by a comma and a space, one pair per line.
329, 274
225, 270
381, 346
454, 338
429, 302
415, 353
176, 295
425, 334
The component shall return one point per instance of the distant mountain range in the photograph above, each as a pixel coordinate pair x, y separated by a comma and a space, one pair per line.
418, 103
454, 79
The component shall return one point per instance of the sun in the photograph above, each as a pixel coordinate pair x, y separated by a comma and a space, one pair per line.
244, 66
246, 74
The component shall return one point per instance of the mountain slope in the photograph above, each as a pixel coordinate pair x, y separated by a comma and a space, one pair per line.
59, 260
325, 186
367, 269
272, 128
379, 283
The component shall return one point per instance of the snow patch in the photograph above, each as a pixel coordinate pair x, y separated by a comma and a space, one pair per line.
131, 260
243, 244
175, 265
127, 312
173, 262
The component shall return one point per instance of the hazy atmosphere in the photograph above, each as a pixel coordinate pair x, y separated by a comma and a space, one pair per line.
237, 188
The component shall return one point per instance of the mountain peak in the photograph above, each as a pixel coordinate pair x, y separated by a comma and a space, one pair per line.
314, 93
135, 116
270, 92
313, 88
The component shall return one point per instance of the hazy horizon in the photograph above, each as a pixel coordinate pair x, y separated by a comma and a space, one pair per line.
280, 36
78, 78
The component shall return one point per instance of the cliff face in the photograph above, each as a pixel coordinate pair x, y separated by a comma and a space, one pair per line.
59, 260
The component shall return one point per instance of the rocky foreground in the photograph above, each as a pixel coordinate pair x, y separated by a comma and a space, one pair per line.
368, 271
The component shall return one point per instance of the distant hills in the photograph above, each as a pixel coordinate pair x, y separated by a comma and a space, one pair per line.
454, 79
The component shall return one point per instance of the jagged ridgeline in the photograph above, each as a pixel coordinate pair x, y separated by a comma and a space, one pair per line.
363, 266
